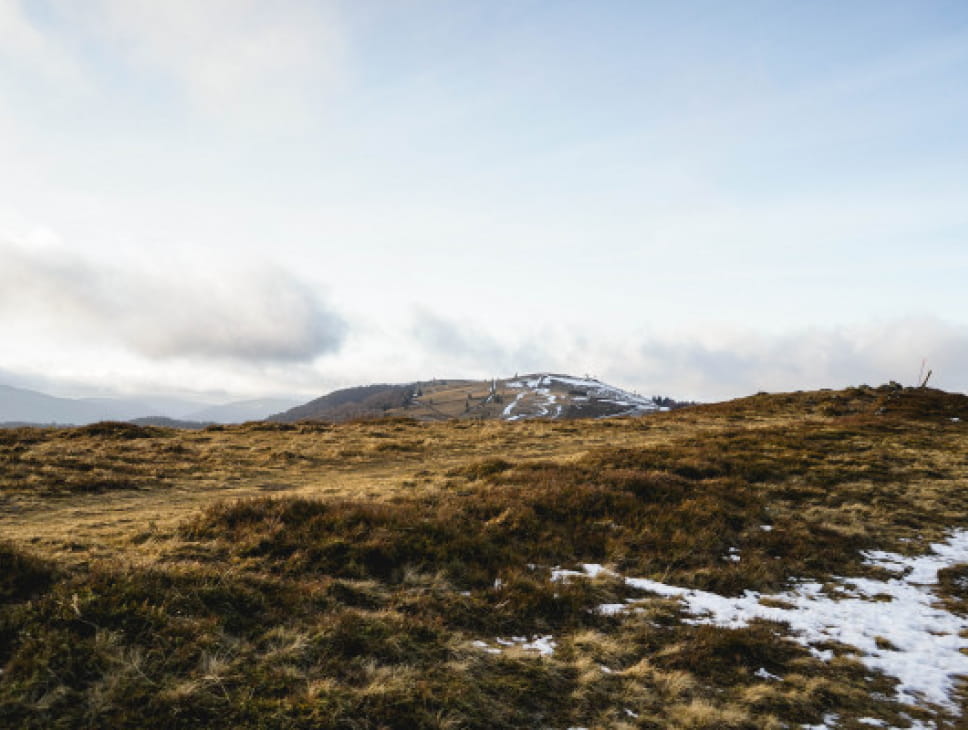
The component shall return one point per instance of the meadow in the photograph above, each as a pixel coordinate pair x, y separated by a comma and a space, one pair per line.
397, 573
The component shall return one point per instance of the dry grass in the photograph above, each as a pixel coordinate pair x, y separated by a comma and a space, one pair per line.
337, 576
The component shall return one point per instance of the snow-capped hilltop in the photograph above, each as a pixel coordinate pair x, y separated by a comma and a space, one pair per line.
548, 395
538, 395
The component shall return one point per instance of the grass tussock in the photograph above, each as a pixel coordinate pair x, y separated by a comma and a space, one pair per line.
953, 588
118, 430
21, 573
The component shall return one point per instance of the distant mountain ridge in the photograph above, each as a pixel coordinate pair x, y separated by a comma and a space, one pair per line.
18, 404
22, 406
537, 395
241, 411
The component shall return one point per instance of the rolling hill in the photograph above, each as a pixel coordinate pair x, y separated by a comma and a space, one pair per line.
538, 395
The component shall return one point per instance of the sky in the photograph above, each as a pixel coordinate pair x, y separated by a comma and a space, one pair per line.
234, 199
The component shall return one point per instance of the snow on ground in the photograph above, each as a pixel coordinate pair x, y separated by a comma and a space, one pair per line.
923, 647
544, 403
829, 720
543, 644
604, 392
541, 398
509, 410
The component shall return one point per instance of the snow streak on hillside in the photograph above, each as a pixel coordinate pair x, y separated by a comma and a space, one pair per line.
547, 395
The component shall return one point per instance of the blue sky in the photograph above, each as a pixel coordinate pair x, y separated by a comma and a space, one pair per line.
235, 198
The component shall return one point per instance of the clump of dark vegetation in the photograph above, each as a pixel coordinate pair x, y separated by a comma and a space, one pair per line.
117, 430
481, 469
22, 574
304, 612
664, 401
953, 588
269, 426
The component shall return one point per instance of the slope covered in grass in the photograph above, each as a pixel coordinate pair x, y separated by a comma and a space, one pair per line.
403, 574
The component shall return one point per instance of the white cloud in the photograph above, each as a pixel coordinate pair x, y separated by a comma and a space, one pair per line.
170, 311
231, 57
457, 342
29, 46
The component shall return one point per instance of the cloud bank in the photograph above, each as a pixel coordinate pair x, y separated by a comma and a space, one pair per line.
714, 361
722, 363
256, 316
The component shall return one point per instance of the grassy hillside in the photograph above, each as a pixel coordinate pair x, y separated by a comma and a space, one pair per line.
398, 573
537, 395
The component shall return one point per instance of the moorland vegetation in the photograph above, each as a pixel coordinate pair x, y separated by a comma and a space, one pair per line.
396, 573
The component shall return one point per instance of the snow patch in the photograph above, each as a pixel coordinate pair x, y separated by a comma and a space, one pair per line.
543, 644
542, 403
907, 637
829, 720
762, 673
509, 410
